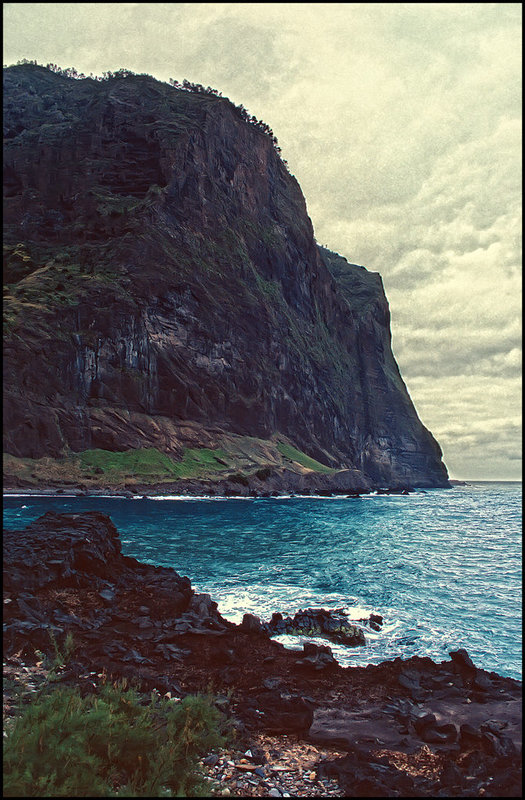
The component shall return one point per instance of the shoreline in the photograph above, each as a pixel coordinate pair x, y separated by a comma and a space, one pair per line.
384, 730
262, 483
157, 492
53, 493
261, 624
78, 493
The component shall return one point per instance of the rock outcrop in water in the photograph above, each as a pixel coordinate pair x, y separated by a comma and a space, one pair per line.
333, 625
164, 288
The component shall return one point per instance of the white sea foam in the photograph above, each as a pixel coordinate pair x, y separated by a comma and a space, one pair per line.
195, 498
246, 497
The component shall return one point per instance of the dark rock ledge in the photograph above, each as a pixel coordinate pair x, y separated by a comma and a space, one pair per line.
409, 728
280, 483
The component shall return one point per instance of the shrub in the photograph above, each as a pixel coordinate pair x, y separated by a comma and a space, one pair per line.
110, 745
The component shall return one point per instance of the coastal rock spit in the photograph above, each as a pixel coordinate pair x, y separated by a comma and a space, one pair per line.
404, 727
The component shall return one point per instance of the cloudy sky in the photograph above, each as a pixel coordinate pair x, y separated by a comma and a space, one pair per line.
402, 123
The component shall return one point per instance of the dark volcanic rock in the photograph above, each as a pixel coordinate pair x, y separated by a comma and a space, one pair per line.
333, 625
275, 712
63, 553
65, 573
462, 660
61, 549
316, 657
251, 623
161, 269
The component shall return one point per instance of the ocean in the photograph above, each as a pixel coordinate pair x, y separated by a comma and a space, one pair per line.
441, 566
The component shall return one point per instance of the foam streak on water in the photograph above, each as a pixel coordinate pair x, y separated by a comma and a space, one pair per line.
443, 567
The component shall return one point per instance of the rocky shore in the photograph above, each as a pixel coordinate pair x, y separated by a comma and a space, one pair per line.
305, 725
283, 484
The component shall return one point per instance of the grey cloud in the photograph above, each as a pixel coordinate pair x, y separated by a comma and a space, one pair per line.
422, 355
242, 54
476, 419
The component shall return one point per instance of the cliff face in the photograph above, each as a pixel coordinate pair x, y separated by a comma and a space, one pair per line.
161, 270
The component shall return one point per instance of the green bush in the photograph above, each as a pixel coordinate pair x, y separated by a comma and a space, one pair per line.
110, 745
60, 659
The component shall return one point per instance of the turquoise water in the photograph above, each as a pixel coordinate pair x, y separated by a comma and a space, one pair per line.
443, 567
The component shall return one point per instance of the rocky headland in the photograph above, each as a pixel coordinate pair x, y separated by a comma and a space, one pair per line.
168, 314
404, 728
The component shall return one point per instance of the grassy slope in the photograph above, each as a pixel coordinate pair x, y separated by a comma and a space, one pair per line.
292, 454
149, 466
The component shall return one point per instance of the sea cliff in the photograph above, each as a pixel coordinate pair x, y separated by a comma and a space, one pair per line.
165, 293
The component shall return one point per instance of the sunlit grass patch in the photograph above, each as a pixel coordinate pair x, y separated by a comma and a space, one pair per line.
151, 463
293, 454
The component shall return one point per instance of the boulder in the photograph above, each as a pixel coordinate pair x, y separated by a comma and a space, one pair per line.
251, 623
61, 549
278, 713
316, 656
462, 659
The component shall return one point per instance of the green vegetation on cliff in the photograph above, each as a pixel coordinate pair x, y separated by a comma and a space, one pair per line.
148, 466
105, 467
293, 454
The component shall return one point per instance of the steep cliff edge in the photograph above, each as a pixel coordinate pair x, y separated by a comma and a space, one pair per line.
163, 289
